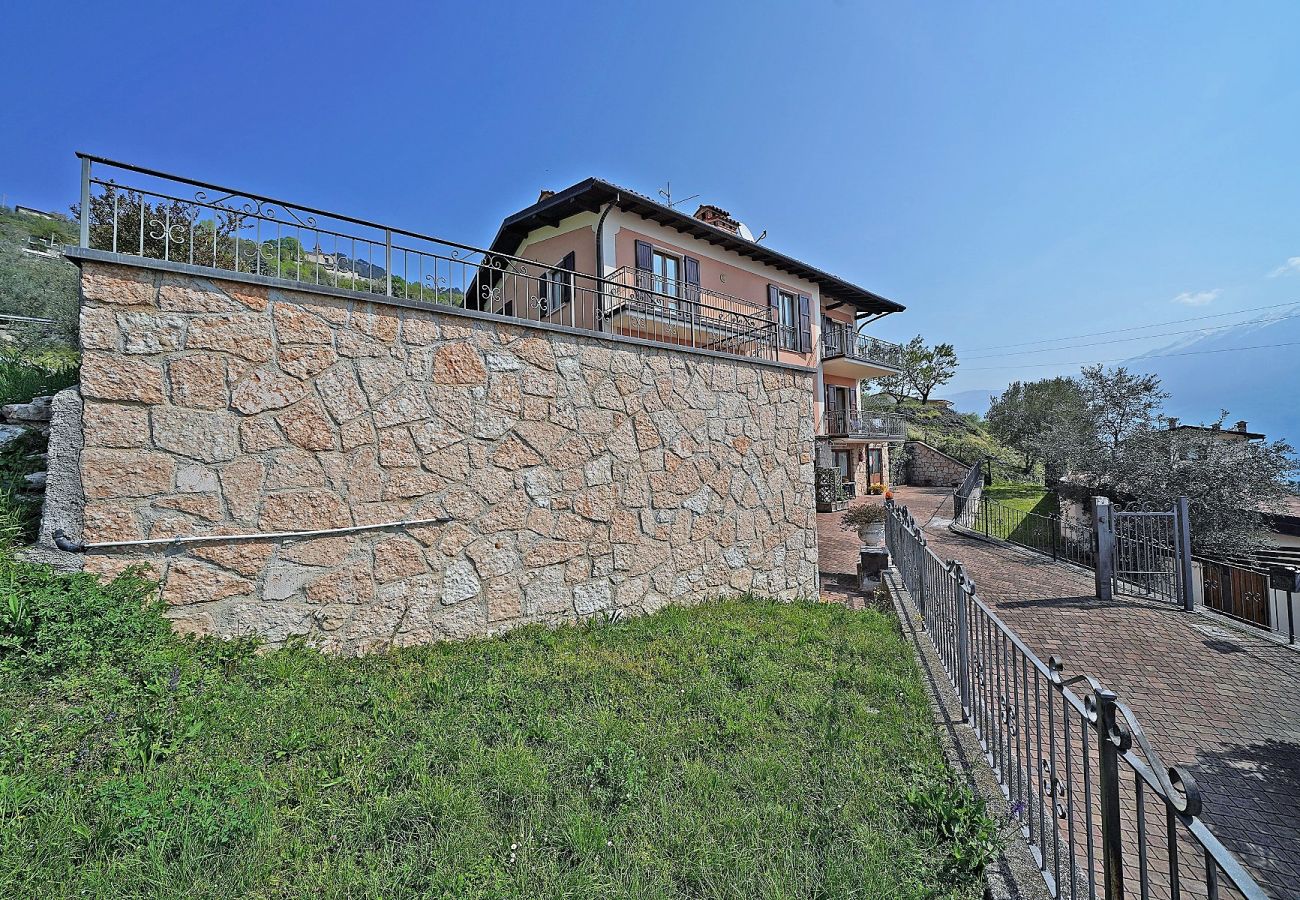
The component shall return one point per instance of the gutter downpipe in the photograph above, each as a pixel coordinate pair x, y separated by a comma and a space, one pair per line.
600, 263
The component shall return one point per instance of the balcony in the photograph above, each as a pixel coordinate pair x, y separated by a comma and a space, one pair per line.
853, 355
864, 426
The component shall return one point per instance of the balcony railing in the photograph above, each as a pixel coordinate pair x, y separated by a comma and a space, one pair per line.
642, 302
135, 211
843, 341
872, 426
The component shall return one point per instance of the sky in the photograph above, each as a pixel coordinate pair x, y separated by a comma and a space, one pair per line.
1008, 171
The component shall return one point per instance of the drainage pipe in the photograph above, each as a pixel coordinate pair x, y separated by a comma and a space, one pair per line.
63, 542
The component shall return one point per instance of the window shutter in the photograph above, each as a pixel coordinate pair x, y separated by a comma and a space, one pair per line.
805, 324
692, 267
774, 302
566, 280
644, 256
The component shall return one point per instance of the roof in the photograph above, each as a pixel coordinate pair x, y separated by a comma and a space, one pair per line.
593, 193
1248, 435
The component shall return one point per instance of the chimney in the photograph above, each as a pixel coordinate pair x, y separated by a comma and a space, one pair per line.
717, 217
1241, 426
545, 195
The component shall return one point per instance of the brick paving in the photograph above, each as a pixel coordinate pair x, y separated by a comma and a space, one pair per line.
1220, 700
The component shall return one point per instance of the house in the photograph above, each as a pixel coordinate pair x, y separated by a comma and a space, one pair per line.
612, 259
1237, 432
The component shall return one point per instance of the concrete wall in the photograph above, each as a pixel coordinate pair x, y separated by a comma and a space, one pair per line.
928, 467
579, 474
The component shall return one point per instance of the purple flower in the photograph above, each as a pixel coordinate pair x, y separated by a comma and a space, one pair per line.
1018, 808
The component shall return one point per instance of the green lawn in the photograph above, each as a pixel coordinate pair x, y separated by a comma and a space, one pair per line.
740, 749
1009, 516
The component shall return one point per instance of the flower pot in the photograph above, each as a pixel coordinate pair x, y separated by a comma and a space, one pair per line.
872, 535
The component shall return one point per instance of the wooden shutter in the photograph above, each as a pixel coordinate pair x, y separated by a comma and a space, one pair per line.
566, 280
805, 324
692, 271
644, 256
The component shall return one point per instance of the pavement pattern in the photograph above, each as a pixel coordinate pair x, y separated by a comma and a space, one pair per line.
1222, 700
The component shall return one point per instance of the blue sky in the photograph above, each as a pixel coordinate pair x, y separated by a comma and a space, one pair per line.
1008, 171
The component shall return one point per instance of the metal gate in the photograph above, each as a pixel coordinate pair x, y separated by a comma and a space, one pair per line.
1152, 552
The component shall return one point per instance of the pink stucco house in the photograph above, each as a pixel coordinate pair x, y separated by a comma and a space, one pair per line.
701, 280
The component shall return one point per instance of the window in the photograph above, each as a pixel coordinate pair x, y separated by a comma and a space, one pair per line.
844, 462
557, 286
666, 273
789, 313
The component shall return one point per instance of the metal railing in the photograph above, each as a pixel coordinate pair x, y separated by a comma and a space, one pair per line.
1099, 808
1051, 535
132, 210
971, 489
844, 341
871, 426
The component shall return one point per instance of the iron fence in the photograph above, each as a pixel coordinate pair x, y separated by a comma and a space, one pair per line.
845, 341
129, 209
971, 489
1099, 808
871, 426
1051, 535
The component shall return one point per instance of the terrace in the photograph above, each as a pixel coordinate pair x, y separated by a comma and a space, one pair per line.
846, 352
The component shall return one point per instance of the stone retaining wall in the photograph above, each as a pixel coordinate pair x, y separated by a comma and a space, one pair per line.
928, 467
580, 475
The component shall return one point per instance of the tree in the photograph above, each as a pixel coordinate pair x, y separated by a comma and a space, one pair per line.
1026, 412
1232, 483
1111, 442
926, 368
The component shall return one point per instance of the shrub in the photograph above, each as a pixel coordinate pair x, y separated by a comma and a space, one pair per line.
861, 516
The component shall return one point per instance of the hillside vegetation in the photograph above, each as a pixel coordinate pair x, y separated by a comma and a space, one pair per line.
966, 437
38, 286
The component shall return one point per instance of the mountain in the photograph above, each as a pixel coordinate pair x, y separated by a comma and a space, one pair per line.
1207, 372
973, 401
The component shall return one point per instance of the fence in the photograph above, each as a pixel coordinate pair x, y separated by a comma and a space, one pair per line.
877, 426
967, 496
844, 340
175, 219
1051, 535
1100, 810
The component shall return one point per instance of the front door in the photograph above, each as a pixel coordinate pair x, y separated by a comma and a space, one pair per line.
875, 466
844, 463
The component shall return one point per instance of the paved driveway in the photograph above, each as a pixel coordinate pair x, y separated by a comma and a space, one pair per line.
1220, 700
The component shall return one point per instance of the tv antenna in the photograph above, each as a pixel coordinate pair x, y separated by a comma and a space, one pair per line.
667, 193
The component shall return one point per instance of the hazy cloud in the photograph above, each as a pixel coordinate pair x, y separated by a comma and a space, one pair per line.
1199, 298
1287, 268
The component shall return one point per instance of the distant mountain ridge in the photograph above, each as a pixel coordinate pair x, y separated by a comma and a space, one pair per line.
1207, 372
972, 401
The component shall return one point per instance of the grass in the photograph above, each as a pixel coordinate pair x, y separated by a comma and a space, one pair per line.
739, 749
1019, 514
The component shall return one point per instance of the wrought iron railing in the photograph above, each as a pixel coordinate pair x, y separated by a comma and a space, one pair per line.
967, 495
1099, 808
844, 341
131, 210
1050, 534
871, 426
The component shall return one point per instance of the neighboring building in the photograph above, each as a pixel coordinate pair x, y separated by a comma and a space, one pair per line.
703, 281
1237, 432
53, 216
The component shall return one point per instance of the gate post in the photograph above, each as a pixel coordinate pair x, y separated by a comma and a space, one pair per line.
1104, 570
1110, 743
1184, 538
965, 594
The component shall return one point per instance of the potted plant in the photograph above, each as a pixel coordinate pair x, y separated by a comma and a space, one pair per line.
868, 520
